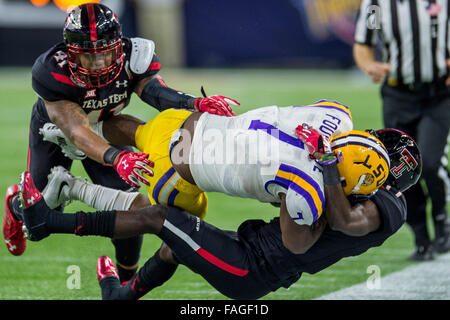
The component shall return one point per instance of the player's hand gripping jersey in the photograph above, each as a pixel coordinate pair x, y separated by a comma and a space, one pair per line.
257, 155
52, 80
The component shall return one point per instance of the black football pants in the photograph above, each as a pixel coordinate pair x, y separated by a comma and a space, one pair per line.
424, 114
219, 256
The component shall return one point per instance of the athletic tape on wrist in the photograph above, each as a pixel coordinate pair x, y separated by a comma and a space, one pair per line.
330, 172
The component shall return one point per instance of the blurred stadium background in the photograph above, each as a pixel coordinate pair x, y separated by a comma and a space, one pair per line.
261, 53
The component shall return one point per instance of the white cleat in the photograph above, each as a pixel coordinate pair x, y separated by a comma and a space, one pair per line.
51, 133
56, 192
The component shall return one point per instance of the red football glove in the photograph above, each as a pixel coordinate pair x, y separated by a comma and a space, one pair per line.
313, 139
218, 105
131, 166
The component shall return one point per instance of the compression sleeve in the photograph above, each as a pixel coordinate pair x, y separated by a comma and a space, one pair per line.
158, 95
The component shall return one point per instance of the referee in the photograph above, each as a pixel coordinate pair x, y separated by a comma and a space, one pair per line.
415, 74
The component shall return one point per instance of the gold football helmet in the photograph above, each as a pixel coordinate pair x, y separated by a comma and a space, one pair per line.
363, 162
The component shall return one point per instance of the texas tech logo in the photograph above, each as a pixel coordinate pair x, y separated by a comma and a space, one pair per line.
407, 162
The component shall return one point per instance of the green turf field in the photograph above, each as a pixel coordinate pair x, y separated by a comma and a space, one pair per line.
44, 271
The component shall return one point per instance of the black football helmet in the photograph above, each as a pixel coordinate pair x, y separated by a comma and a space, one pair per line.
404, 155
93, 36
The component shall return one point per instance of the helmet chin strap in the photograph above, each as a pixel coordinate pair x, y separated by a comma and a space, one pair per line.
358, 185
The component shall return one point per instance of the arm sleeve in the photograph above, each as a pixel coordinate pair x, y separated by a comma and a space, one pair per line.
392, 208
158, 95
365, 32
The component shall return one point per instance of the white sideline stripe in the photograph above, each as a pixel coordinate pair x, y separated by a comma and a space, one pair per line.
428, 280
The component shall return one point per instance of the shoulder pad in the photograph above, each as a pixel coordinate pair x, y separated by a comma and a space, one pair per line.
141, 56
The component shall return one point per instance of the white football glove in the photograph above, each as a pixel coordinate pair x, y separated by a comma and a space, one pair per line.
52, 133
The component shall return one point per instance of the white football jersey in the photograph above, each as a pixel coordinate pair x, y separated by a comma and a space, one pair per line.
257, 155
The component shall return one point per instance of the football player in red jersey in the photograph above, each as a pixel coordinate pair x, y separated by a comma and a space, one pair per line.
260, 256
85, 79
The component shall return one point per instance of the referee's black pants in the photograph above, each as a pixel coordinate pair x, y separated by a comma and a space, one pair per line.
423, 113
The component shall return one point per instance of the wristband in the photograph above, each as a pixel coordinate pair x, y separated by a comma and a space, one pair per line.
330, 170
327, 160
110, 155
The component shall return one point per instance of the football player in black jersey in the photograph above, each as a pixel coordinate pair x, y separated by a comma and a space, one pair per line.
260, 257
88, 78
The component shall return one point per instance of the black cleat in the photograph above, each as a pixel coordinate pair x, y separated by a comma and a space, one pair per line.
422, 253
442, 244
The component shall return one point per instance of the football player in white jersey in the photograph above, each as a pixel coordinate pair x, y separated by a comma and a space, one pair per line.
258, 155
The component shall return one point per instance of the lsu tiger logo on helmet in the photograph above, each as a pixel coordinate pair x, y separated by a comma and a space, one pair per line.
363, 162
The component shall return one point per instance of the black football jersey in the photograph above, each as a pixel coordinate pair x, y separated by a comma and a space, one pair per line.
331, 247
52, 81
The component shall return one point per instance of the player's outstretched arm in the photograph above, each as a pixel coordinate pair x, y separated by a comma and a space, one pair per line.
298, 238
156, 93
74, 123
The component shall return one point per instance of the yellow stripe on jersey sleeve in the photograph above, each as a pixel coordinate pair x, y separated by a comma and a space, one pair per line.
335, 105
305, 185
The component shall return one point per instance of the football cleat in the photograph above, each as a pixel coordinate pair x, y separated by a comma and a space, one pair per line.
35, 210
12, 228
423, 253
29, 194
442, 244
106, 268
50, 132
56, 192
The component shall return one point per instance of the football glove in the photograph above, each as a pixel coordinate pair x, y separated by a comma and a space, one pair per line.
218, 105
50, 132
132, 166
313, 140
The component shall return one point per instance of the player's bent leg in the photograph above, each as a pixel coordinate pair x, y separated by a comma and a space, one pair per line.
140, 221
63, 187
39, 164
41, 221
127, 250
219, 256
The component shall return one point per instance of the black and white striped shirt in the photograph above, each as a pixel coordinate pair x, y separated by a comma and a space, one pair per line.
415, 35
